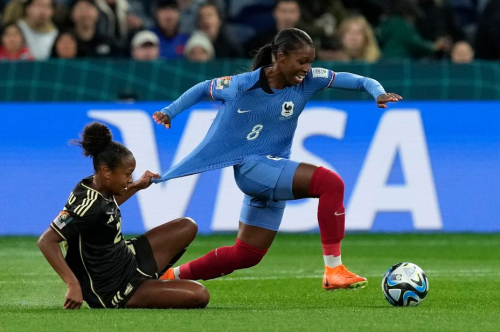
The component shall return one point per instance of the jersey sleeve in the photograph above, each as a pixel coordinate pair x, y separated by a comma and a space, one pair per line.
318, 79
223, 88
349, 81
189, 98
220, 89
77, 216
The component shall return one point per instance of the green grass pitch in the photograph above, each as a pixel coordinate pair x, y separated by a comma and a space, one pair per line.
282, 293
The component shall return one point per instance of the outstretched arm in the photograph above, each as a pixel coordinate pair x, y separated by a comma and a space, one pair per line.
49, 246
142, 183
189, 98
350, 81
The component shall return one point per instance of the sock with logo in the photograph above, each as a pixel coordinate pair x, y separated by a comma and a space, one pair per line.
221, 261
329, 188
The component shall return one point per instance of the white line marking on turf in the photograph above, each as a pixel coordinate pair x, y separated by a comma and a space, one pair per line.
390, 243
374, 276
50, 277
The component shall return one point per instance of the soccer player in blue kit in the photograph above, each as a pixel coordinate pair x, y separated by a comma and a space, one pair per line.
253, 132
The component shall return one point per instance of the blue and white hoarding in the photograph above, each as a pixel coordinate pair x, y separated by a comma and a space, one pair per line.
416, 166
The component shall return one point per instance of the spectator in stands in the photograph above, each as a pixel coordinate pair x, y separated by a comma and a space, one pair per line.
199, 48
438, 20
145, 46
357, 40
167, 29
209, 21
65, 46
287, 15
462, 52
398, 37
140, 15
13, 46
189, 13
321, 18
84, 15
38, 28
114, 21
488, 32
14, 11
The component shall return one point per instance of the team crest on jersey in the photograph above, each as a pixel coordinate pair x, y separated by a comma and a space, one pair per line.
287, 109
62, 219
222, 82
320, 72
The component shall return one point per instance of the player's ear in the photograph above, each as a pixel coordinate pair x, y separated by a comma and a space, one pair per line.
280, 55
105, 171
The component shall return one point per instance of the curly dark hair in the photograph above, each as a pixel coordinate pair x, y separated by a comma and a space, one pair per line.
97, 142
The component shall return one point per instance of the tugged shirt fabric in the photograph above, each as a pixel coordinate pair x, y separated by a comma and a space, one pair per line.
254, 119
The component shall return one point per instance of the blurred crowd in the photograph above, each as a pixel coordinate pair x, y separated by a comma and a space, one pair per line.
202, 30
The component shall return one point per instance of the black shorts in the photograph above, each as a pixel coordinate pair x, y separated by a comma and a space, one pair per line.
146, 269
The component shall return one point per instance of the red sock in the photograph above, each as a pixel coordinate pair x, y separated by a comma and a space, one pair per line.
329, 187
222, 261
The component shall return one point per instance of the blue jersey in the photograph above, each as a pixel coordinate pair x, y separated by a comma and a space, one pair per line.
253, 119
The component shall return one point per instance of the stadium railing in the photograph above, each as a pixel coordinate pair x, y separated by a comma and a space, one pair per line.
110, 80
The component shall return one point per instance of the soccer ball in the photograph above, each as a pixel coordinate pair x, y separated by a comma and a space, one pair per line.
405, 284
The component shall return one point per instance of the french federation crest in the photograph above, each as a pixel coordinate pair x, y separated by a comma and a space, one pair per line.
287, 109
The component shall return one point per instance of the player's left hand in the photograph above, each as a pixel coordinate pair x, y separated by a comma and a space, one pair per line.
145, 180
382, 100
74, 297
162, 118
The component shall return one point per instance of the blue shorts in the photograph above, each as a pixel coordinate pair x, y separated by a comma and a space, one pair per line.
267, 184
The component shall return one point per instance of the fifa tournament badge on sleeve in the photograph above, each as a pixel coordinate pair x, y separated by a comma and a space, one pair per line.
62, 219
223, 82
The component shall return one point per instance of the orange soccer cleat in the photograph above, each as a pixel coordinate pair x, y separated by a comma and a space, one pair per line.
339, 277
169, 275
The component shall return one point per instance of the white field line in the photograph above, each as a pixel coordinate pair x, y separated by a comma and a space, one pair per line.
285, 275
388, 242
368, 275
9, 252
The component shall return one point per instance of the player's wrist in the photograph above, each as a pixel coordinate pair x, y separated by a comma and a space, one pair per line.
73, 284
167, 112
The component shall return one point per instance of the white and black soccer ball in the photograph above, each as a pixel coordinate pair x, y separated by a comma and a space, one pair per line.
405, 284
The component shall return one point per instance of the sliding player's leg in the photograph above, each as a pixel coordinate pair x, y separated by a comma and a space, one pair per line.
172, 294
155, 251
251, 245
169, 241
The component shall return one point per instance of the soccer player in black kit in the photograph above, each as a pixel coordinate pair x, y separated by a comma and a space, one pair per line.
100, 267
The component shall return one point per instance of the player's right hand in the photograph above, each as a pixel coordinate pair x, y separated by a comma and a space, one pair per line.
162, 118
74, 297
145, 180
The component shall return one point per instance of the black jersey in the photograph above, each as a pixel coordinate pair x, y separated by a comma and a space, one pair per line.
97, 253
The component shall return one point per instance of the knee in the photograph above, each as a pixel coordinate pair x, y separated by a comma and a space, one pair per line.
336, 182
189, 227
200, 297
328, 181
